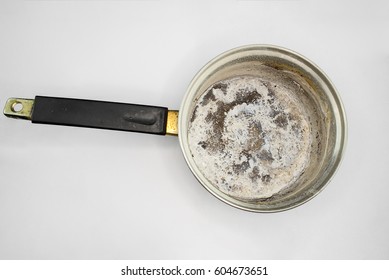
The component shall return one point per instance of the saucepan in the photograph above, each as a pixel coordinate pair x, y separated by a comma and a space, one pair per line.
261, 127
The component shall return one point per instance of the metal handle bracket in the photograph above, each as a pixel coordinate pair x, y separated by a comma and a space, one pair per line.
19, 108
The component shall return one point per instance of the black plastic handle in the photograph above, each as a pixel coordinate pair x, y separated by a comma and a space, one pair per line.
99, 114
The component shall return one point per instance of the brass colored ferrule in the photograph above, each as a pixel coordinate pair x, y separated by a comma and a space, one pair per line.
172, 123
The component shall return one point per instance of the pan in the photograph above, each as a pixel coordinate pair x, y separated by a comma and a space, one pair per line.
261, 127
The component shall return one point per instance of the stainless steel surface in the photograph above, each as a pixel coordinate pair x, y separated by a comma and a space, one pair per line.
251, 60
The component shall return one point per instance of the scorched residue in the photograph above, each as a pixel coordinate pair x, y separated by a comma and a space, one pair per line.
250, 138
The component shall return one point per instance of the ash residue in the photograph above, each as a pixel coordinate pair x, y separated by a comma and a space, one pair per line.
248, 137
216, 119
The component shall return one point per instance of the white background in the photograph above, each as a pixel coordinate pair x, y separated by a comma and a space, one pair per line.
74, 193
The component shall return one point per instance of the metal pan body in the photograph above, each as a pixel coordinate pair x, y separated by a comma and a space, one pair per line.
286, 69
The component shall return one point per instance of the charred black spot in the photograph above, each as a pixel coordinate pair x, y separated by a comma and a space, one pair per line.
194, 114
254, 174
281, 120
246, 154
266, 155
221, 86
296, 129
208, 97
203, 144
266, 178
274, 112
271, 95
208, 118
245, 96
241, 168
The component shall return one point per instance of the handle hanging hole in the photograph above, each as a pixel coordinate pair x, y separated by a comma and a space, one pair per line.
17, 107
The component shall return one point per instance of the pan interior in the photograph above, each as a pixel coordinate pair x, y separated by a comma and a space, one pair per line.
260, 130
253, 138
